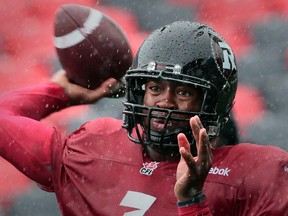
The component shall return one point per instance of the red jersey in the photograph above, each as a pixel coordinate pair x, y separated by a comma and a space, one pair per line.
97, 170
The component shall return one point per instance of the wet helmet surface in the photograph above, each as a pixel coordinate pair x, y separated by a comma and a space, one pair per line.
189, 53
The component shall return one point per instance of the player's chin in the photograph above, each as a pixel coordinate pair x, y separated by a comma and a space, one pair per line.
171, 126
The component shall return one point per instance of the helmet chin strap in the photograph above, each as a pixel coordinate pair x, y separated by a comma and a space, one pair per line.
168, 143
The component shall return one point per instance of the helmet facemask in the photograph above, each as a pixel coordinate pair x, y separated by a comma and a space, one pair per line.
188, 53
138, 117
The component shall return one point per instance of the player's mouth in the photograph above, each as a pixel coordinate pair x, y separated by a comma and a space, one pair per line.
158, 124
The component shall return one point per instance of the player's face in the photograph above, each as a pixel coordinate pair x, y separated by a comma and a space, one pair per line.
172, 96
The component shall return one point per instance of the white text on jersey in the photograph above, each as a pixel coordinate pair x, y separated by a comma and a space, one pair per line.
218, 171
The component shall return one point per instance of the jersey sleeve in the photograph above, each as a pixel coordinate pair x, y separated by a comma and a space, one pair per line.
25, 141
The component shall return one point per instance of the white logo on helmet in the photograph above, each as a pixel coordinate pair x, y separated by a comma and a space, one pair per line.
229, 60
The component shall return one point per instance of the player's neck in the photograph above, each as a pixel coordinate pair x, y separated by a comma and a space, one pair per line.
157, 155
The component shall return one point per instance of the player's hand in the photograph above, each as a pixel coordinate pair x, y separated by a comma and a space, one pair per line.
192, 171
80, 95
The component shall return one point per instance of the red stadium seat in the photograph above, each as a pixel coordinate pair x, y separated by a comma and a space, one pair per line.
12, 184
124, 18
135, 40
278, 6
249, 107
236, 12
21, 72
128, 21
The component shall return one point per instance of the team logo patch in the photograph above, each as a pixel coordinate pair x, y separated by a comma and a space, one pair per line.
148, 168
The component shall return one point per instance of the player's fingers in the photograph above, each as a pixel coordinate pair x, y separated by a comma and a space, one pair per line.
184, 149
196, 125
205, 156
60, 78
90, 96
199, 122
109, 84
116, 88
183, 141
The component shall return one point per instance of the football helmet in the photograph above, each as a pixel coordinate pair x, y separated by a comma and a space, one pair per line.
190, 53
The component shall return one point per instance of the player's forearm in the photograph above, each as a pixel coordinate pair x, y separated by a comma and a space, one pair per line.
34, 102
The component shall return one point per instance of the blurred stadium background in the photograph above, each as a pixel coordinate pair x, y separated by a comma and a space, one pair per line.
255, 29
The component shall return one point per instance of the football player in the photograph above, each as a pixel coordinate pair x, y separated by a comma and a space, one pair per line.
180, 91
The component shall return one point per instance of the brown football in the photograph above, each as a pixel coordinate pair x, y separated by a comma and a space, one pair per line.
90, 45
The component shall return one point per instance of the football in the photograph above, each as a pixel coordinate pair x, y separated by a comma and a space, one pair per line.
91, 46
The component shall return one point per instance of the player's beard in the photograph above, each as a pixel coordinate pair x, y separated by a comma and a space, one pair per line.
169, 128
162, 125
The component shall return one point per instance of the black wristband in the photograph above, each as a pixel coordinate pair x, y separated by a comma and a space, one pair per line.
197, 199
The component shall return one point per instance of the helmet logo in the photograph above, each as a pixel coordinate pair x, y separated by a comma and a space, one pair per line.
229, 60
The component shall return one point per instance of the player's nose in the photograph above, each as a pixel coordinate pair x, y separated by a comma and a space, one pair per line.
167, 100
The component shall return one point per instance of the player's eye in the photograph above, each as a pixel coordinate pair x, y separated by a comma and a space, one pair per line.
185, 91
153, 86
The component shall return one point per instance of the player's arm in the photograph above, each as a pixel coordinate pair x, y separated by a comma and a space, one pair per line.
25, 141
192, 172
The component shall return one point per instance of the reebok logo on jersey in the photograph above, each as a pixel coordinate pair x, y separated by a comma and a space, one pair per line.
218, 171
